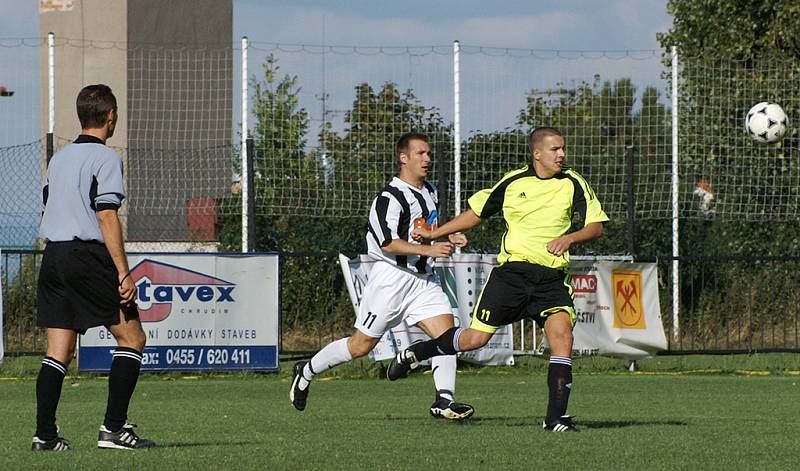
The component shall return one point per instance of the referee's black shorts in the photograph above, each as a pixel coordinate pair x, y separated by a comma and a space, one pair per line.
79, 287
520, 290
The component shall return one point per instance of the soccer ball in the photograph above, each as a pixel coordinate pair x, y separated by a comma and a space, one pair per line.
766, 122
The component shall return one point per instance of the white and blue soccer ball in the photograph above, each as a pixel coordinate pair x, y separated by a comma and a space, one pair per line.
766, 122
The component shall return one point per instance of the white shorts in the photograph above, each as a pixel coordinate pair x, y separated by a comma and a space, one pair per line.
392, 295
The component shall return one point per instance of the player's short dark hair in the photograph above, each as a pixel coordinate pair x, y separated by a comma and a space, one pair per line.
93, 104
405, 139
537, 136
402, 143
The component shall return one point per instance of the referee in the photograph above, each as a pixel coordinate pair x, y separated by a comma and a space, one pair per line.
84, 280
539, 203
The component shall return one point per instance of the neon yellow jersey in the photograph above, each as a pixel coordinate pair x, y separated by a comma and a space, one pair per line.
536, 211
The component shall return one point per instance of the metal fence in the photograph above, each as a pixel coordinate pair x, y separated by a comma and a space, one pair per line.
659, 136
728, 304
324, 121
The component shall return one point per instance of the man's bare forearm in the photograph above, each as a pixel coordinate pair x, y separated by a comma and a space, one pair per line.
111, 229
587, 233
466, 220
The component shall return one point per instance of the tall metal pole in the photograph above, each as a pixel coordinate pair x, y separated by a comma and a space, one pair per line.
442, 183
630, 156
676, 280
457, 126
51, 94
244, 181
251, 197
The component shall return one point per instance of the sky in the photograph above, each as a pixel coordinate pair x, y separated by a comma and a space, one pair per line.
544, 25
498, 67
564, 24
539, 24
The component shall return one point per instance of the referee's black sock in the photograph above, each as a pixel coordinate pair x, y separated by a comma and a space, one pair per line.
559, 381
445, 344
48, 392
121, 383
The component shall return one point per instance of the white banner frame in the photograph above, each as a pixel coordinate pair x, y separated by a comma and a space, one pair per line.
461, 277
621, 321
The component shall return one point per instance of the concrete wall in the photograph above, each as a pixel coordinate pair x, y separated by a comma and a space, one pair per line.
185, 22
169, 64
90, 48
179, 92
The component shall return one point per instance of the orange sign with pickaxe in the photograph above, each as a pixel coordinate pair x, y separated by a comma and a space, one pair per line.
628, 307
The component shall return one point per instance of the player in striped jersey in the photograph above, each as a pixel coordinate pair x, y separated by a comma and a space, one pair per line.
402, 284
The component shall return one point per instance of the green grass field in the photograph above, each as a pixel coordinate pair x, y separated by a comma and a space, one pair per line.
677, 413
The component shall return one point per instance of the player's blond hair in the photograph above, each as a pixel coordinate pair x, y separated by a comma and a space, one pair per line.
539, 134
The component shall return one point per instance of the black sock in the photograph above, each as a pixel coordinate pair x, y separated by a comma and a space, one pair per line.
48, 392
559, 381
444, 344
121, 383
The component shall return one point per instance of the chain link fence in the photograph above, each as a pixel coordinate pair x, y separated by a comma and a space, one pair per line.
323, 122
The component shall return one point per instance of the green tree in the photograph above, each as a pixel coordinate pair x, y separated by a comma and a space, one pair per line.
362, 156
289, 180
738, 29
599, 119
286, 177
733, 54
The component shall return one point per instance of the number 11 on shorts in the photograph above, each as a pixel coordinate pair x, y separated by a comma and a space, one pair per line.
369, 319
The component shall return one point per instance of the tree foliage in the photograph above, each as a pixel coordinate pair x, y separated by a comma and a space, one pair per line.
600, 120
364, 151
733, 54
738, 29
724, 46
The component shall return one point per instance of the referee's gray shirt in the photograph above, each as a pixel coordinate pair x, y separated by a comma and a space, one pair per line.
84, 177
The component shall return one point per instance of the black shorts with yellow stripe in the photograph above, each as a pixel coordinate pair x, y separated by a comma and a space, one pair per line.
521, 290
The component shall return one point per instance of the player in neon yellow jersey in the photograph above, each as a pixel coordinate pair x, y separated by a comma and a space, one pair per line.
538, 203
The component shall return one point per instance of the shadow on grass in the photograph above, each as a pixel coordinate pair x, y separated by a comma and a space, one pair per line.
471, 422
205, 444
599, 424
537, 422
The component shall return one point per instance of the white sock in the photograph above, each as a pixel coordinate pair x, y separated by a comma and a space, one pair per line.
444, 375
335, 353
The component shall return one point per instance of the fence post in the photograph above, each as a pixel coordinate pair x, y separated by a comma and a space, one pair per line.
675, 210
629, 157
457, 126
51, 94
251, 197
245, 170
441, 181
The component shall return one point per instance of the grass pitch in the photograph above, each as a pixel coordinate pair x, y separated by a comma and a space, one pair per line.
658, 419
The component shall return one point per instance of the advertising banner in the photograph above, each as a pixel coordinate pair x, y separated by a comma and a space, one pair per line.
199, 312
616, 302
618, 309
461, 277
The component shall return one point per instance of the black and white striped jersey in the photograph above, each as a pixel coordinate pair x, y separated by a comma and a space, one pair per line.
392, 216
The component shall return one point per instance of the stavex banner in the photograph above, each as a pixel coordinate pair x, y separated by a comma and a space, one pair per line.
199, 312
